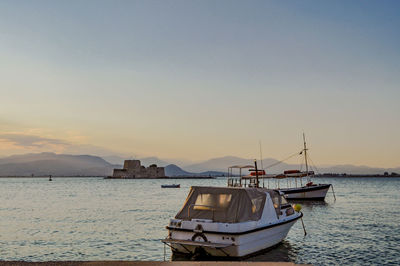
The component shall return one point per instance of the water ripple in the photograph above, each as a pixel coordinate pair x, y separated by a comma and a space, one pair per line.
95, 219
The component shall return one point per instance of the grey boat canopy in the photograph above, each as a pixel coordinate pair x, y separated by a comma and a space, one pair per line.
225, 204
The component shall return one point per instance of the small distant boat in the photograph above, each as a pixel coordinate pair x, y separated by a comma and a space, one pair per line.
171, 186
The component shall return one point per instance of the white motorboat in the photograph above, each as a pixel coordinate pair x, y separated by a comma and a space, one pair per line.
230, 221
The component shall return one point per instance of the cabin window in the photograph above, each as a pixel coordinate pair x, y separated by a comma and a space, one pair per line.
212, 201
257, 204
276, 200
283, 200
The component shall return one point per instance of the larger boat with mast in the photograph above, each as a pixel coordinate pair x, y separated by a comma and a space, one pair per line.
309, 191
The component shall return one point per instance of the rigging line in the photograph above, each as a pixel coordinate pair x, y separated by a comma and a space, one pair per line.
316, 169
301, 163
281, 161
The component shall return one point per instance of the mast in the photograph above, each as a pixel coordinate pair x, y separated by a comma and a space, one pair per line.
255, 164
261, 158
305, 156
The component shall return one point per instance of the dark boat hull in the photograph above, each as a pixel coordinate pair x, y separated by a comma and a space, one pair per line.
313, 192
171, 186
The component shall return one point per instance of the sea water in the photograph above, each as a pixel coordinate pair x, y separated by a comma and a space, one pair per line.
99, 219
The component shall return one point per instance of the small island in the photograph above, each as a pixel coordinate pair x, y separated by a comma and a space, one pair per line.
134, 170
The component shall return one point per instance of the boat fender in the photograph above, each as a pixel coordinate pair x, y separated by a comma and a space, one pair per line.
297, 207
196, 235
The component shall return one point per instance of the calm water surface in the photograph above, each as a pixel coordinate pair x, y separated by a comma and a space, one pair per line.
97, 219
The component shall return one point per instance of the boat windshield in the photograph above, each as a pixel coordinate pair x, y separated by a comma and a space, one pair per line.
209, 201
283, 200
221, 204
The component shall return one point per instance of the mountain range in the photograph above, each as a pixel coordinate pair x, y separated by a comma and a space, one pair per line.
48, 163
174, 170
88, 165
273, 166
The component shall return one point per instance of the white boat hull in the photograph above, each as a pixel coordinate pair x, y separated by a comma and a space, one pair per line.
317, 192
231, 245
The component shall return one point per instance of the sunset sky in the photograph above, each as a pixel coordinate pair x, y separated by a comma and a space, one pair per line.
201, 79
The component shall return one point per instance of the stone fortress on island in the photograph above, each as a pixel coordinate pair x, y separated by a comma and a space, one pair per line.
132, 169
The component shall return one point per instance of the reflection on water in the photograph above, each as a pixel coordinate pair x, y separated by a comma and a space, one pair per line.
281, 252
310, 205
97, 219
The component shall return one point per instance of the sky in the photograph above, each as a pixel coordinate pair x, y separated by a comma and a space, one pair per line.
201, 79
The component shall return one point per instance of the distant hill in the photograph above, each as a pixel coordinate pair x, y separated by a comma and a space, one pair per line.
146, 161
87, 165
153, 160
46, 163
174, 170
222, 163
55, 164
114, 159
217, 164
357, 170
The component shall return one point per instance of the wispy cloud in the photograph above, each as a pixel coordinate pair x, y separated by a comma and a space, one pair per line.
27, 142
32, 141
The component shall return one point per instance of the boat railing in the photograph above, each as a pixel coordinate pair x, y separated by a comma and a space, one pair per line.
234, 182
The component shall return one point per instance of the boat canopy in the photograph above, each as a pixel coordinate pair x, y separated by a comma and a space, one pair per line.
225, 204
